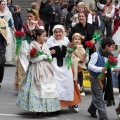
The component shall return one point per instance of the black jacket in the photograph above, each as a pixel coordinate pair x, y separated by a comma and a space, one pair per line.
49, 16
87, 31
17, 20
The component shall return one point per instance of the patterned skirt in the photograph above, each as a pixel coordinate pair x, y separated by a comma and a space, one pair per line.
77, 98
19, 75
28, 101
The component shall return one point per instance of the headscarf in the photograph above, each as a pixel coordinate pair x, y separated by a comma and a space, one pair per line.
59, 27
79, 35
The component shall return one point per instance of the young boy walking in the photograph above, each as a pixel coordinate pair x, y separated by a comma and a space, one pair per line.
99, 87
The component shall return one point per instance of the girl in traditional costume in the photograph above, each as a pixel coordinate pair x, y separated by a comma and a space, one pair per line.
32, 23
68, 91
79, 59
10, 49
38, 92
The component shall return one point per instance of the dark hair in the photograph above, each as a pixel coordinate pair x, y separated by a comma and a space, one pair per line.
37, 32
107, 41
15, 8
70, 7
11, 1
2, 1
116, 1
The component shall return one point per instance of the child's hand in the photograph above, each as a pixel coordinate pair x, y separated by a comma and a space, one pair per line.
52, 51
116, 70
104, 69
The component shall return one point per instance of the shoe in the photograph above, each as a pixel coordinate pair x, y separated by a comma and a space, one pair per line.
92, 114
82, 93
75, 108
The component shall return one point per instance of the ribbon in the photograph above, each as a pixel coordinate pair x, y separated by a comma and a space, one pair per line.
68, 61
18, 44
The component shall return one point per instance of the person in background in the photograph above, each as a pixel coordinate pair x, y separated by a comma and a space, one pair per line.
68, 23
107, 15
58, 13
3, 43
92, 5
17, 17
35, 6
49, 18
116, 30
96, 20
64, 13
10, 5
31, 24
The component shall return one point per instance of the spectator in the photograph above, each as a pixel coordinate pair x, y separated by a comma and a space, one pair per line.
17, 17
58, 13
49, 16
107, 15
35, 6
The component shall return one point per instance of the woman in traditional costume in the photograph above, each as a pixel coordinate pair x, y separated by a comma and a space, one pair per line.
38, 92
68, 91
10, 49
32, 23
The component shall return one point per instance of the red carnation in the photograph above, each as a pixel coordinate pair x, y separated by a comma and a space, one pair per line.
19, 33
112, 60
89, 44
33, 52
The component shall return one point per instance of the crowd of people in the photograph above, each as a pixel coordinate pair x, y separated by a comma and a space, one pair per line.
43, 78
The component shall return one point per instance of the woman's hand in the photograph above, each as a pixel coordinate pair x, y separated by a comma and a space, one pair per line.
52, 51
33, 22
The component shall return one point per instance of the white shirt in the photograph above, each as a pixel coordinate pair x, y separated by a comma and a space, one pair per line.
101, 6
93, 61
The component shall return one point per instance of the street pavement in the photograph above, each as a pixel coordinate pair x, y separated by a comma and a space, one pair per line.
9, 110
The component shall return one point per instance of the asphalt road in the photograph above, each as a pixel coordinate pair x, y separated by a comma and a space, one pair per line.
9, 110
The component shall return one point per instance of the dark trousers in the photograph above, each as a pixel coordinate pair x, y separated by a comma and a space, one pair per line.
97, 99
2, 62
108, 25
48, 28
80, 79
119, 81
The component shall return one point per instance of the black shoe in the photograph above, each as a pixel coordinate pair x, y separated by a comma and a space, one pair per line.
92, 114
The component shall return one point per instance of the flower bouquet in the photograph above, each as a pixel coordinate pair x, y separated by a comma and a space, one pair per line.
35, 53
110, 63
71, 47
89, 45
98, 36
18, 35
